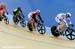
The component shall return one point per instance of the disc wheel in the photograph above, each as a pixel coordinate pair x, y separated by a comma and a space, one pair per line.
53, 31
29, 26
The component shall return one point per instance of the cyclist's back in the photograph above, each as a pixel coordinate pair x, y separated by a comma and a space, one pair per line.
18, 13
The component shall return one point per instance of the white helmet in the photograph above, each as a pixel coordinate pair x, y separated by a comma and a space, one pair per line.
68, 13
38, 10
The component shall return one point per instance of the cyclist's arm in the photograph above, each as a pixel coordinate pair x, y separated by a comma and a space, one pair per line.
40, 18
65, 23
57, 19
69, 21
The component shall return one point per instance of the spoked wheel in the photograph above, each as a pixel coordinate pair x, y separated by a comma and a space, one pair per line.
53, 31
70, 34
23, 23
15, 20
6, 20
29, 26
41, 29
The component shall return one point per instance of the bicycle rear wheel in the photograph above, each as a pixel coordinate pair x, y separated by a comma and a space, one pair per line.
29, 26
53, 31
15, 20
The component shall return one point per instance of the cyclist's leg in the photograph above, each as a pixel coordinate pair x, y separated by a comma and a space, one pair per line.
22, 15
32, 24
34, 18
40, 19
18, 16
31, 21
60, 27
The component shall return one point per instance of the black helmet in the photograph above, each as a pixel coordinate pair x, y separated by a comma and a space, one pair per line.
18, 7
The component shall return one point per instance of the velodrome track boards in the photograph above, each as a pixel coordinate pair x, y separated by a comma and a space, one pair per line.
16, 37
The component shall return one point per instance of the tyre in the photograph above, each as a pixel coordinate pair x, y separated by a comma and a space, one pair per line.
1, 18
41, 29
29, 26
15, 20
6, 20
53, 31
70, 34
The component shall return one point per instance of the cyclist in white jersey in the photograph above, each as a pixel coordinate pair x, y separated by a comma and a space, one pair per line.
61, 19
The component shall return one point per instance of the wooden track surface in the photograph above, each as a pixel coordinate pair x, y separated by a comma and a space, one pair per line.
15, 37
